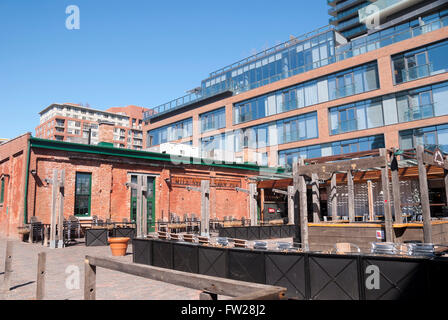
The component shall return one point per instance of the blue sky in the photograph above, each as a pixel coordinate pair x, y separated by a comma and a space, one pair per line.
139, 52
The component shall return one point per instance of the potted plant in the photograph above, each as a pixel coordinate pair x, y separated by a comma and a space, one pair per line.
119, 245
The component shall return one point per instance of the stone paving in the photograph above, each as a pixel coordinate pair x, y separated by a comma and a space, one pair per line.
111, 285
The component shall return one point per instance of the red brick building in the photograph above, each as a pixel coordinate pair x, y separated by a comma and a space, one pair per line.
74, 123
96, 178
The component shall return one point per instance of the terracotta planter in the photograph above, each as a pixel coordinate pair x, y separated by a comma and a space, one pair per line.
119, 246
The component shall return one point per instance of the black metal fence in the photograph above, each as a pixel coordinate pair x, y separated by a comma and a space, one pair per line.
260, 232
307, 276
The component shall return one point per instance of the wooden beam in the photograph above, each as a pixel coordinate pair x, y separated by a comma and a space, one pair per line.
324, 170
262, 204
396, 189
253, 204
303, 208
370, 200
286, 193
424, 196
60, 219
316, 198
41, 275
139, 207
54, 186
388, 221
334, 198
89, 279
205, 207
296, 199
291, 205
6, 285
351, 196
213, 285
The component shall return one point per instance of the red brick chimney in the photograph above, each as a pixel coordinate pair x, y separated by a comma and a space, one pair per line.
106, 133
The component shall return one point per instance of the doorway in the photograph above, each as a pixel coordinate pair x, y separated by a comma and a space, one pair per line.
150, 200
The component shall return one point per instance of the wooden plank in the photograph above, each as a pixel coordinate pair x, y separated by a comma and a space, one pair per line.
296, 199
89, 279
424, 196
324, 170
445, 173
398, 217
54, 193
280, 191
351, 196
6, 285
269, 294
388, 221
291, 205
370, 200
60, 219
253, 204
315, 198
205, 207
144, 206
303, 209
41, 275
262, 204
138, 217
334, 198
219, 286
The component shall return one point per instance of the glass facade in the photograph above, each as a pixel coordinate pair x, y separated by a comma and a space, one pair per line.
292, 129
430, 137
172, 132
213, 120
286, 158
335, 86
415, 104
392, 35
420, 63
312, 53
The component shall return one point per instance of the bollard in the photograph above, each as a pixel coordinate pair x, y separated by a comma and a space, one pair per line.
6, 285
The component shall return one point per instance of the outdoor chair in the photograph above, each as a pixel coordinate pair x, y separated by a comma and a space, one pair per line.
175, 236
163, 235
203, 240
239, 243
37, 230
189, 238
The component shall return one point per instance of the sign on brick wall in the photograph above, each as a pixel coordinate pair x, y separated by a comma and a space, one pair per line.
214, 182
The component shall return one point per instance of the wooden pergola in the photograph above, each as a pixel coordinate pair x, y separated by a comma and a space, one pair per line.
362, 167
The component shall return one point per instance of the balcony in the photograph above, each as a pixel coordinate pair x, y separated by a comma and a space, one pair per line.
384, 8
344, 5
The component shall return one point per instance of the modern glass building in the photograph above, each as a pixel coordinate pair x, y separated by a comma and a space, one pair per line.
323, 93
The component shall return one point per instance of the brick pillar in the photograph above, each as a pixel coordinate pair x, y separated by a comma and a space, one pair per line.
106, 133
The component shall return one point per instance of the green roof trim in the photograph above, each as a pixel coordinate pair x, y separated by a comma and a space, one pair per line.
143, 155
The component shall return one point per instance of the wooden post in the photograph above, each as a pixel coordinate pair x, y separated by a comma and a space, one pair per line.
54, 185
370, 199
139, 207
205, 207
145, 206
290, 204
386, 196
303, 210
351, 196
396, 189
60, 190
262, 204
296, 200
41, 274
446, 184
316, 198
89, 281
253, 204
8, 267
208, 296
334, 198
424, 196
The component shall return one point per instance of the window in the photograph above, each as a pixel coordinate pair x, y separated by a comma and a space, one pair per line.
83, 189
213, 120
2, 191
175, 131
342, 84
430, 137
420, 63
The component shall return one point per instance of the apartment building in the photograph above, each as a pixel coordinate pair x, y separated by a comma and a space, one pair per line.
74, 123
321, 95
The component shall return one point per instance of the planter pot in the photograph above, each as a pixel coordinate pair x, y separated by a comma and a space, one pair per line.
119, 246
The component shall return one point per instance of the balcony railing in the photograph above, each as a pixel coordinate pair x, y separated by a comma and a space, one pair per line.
419, 112
417, 72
